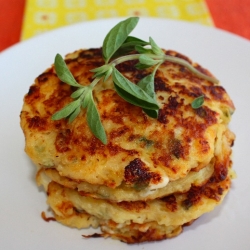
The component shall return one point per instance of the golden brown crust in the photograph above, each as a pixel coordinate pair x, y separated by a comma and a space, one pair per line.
189, 135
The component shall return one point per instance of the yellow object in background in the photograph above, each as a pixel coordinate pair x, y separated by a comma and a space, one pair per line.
44, 15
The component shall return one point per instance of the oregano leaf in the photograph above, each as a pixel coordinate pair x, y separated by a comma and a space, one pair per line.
143, 50
129, 45
130, 98
94, 120
147, 84
73, 115
67, 110
155, 48
133, 90
77, 93
63, 72
146, 60
197, 102
116, 37
142, 66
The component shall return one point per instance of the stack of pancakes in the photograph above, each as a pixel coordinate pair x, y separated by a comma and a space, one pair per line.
154, 175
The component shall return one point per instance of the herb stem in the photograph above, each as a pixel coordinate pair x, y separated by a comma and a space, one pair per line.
134, 57
190, 67
165, 58
156, 68
94, 82
124, 59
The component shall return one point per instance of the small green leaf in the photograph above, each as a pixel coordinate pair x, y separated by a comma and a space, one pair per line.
135, 41
84, 103
67, 110
86, 98
136, 101
197, 102
94, 120
117, 36
63, 72
105, 70
155, 48
142, 99
142, 66
73, 116
108, 74
130, 98
129, 46
77, 93
146, 60
147, 84
143, 50
100, 70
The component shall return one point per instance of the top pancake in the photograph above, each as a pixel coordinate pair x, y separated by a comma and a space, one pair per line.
141, 151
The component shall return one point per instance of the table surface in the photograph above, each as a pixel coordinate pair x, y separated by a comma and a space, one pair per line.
230, 15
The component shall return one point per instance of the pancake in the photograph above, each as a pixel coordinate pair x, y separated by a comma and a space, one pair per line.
153, 176
123, 193
134, 139
164, 216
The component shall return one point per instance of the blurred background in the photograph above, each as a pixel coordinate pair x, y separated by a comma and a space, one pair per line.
23, 19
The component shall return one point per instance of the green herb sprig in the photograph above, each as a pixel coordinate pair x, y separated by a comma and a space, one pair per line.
116, 46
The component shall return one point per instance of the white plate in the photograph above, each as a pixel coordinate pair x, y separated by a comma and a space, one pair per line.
224, 54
